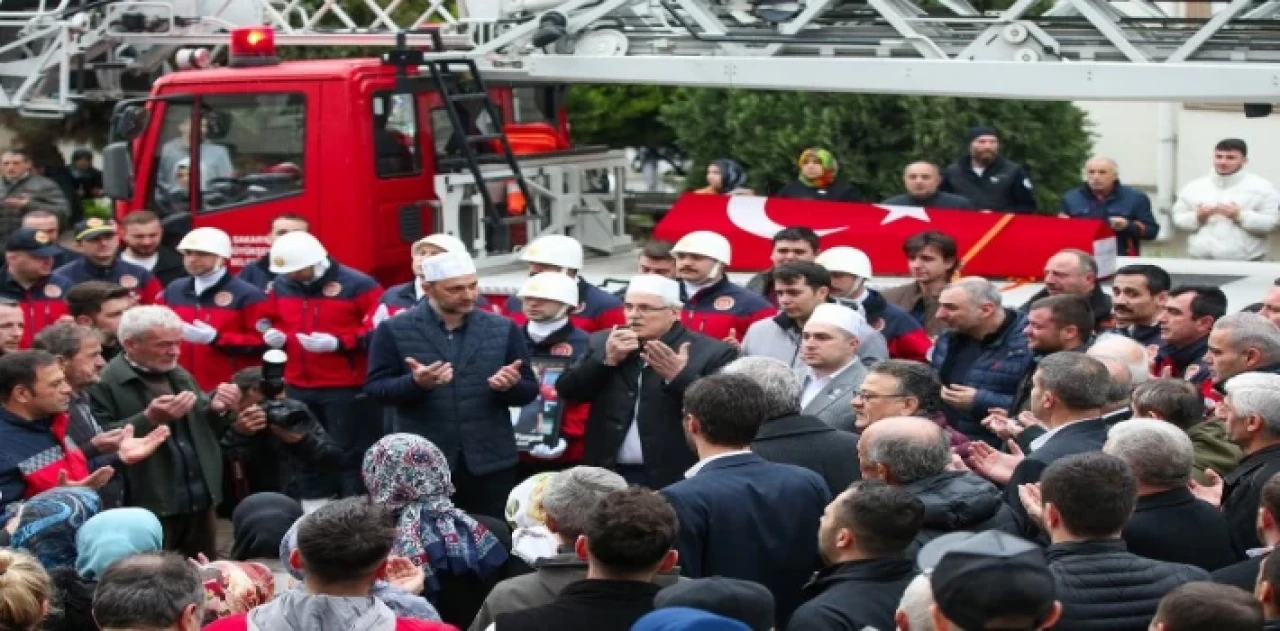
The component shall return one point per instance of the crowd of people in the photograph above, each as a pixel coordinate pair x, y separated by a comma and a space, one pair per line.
1227, 213
804, 451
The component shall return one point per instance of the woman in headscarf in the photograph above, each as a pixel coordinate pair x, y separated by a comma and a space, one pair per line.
462, 555
47, 528
403, 603
113, 535
235, 587
817, 179
258, 525
530, 539
725, 177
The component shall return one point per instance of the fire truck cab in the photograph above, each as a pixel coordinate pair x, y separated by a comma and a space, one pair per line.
352, 147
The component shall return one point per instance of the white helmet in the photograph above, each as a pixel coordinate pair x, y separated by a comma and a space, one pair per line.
446, 242
704, 243
551, 286
846, 260
207, 240
294, 251
556, 250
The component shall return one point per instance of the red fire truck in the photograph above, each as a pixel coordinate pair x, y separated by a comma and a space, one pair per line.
374, 153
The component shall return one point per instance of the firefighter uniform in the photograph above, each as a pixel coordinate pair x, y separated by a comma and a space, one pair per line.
722, 308
324, 326
596, 309
146, 289
221, 337
557, 338
44, 301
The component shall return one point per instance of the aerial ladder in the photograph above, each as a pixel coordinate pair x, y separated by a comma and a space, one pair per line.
56, 54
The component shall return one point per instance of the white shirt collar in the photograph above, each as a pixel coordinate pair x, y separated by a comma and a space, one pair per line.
1044, 438
418, 292
209, 280
697, 467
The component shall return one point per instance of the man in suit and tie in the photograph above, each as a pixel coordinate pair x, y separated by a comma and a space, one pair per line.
1068, 391
740, 516
829, 348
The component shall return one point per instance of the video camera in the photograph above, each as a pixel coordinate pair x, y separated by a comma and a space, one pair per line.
286, 413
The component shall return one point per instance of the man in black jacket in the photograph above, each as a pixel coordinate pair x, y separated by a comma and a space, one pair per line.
789, 437
1069, 390
635, 378
1083, 503
1245, 573
863, 538
913, 454
987, 179
1168, 523
1250, 412
627, 543
922, 180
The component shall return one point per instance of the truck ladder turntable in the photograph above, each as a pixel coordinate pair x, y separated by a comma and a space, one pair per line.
1079, 49
53, 56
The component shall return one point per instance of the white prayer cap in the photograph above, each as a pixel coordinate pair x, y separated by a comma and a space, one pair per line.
653, 284
445, 266
838, 316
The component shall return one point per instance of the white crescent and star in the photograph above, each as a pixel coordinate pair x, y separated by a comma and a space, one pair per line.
748, 214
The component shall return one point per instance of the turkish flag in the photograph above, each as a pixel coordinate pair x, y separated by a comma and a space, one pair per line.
1001, 245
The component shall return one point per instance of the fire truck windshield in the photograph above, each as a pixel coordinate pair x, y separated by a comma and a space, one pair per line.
251, 149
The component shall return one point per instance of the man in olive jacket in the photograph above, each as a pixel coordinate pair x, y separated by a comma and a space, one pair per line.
635, 377
144, 387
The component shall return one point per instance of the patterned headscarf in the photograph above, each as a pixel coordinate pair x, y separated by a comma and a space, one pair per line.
50, 521
830, 167
530, 538
115, 534
235, 587
409, 475
732, 175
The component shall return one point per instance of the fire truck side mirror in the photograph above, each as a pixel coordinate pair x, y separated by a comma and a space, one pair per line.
117, 171
129, 123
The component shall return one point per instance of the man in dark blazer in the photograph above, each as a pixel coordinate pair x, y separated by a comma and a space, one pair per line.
1067, 394
635, 377
1245, 573
1168, 522
790, 437
741, 516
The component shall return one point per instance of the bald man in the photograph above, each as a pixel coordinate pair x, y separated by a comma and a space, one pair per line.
913, 453
922, 180
1102, 196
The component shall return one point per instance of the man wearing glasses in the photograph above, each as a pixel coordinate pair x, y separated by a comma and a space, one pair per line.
634, 377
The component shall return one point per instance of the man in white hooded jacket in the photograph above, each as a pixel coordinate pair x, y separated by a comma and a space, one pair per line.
1229, 211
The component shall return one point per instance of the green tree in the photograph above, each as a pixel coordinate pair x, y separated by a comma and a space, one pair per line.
619, 115
873, 136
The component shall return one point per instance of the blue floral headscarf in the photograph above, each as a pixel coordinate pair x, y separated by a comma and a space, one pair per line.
409, 475
49, 523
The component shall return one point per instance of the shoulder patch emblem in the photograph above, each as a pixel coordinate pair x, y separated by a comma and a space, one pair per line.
128, 281
52, 291
563, 349
222, 298
723, 303
332, 289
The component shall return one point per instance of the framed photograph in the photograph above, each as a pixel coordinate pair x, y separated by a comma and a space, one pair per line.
539, 422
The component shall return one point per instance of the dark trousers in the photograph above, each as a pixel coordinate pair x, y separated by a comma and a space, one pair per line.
484, 494
192, 534
346, 416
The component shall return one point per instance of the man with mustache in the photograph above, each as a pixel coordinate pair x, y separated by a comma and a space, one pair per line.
1138, 296
987, 179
